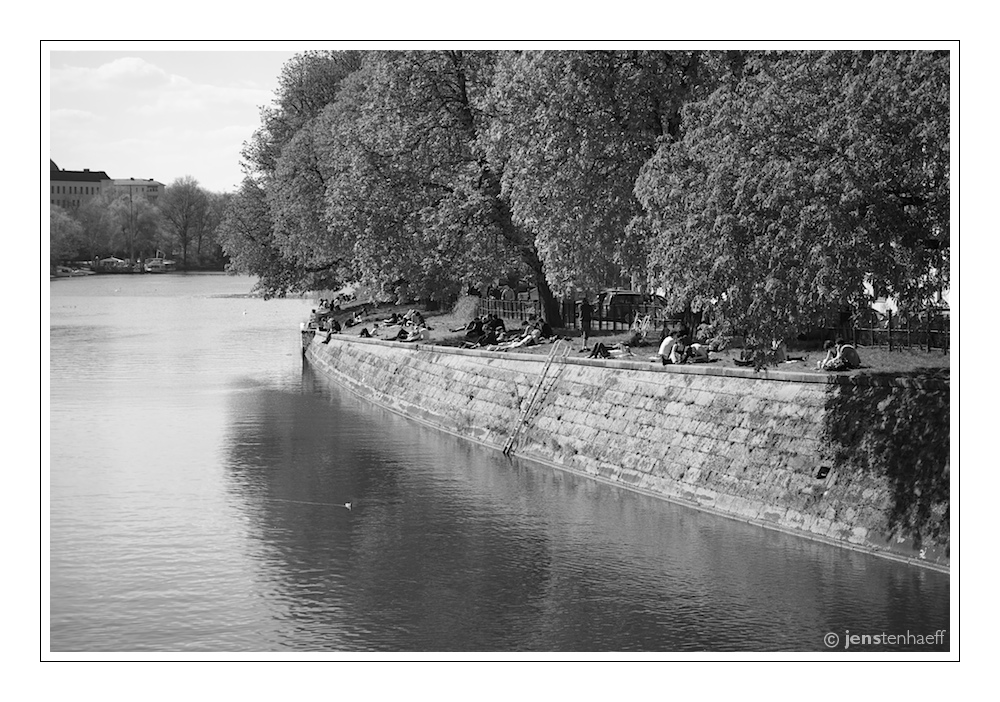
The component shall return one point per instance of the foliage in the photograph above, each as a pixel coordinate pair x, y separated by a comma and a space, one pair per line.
284, 167
118, 222
904, 436
774, 188
307, 84
246, 234
573, 130
801, 178
411, 188
65, 235
185, 210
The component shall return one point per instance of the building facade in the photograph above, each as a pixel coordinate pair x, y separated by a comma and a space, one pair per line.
70, 189
135, 187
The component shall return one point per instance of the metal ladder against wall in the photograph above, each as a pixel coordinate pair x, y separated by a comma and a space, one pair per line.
536, 393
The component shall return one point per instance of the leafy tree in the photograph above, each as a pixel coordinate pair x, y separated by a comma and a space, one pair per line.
107, 225
245, 233
283, 167
296, 198
185, 208
307, 84
573, 130
209, 252
65, 235
411, 182
801, 178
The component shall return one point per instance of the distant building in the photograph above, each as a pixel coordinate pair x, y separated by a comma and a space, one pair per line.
70, 189
150, 189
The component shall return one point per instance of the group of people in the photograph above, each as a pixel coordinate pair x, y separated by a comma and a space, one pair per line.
411, 327
483, 331
491, 333
679, 349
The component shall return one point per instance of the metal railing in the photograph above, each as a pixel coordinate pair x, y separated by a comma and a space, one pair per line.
519, 310
613, 317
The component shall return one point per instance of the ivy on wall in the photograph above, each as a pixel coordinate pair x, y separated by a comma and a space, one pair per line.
904, 435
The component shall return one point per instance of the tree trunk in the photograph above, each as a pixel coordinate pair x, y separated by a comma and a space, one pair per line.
489, 183
551, 311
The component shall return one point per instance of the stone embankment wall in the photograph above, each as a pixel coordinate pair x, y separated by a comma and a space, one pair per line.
797, 452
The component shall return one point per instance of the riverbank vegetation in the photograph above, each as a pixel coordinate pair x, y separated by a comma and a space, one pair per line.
182, 222
777, 191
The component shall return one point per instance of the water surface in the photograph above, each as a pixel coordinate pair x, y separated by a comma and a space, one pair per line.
198, 477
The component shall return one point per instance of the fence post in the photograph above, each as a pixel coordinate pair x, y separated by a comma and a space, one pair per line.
890, 330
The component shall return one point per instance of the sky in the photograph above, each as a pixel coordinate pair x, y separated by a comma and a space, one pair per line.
160, 114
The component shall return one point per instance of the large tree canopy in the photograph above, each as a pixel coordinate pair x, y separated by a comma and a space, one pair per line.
412, 188
800, 180
572, 132
772, 187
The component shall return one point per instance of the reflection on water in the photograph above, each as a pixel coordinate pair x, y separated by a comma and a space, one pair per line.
198, 478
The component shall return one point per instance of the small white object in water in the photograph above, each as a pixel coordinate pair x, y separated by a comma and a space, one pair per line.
347, 505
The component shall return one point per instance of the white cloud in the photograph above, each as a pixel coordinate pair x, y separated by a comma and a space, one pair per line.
127, 73
158, 115
184, 97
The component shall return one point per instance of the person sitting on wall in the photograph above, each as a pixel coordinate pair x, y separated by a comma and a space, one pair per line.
840, 356
365, 334
696, 353
666, 351
679, 353
333, 327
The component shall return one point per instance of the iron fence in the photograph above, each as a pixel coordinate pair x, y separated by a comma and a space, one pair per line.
519, 310
924, 331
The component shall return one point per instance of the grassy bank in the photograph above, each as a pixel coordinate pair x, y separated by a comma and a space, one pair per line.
874, 359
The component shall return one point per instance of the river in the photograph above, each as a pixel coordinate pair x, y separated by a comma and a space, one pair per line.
197, 482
